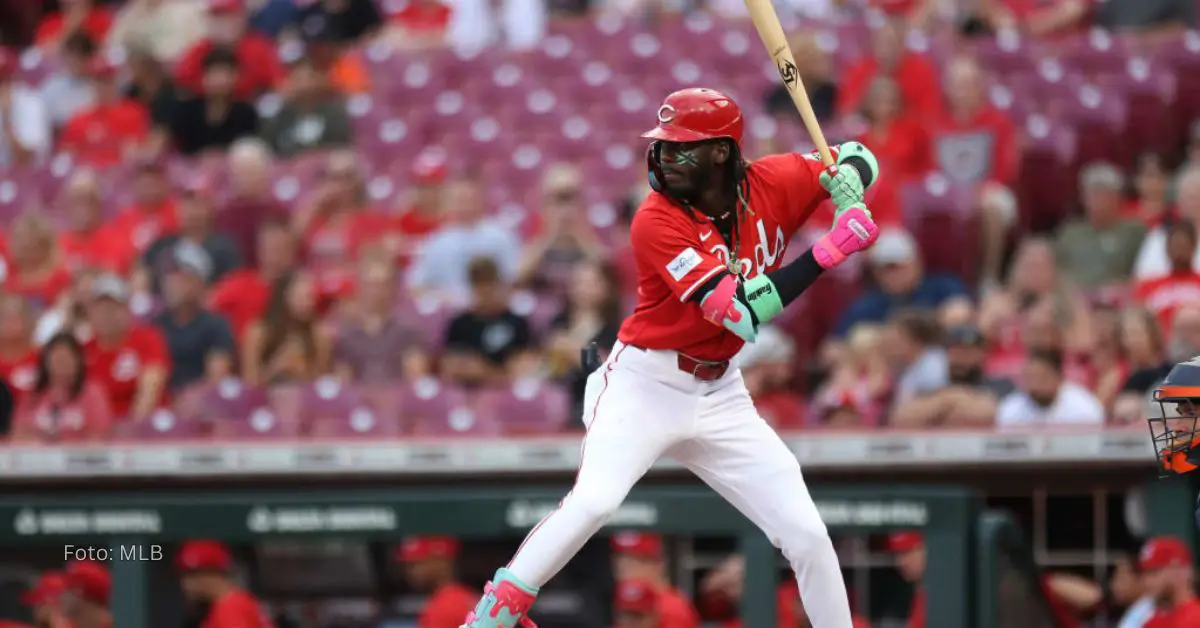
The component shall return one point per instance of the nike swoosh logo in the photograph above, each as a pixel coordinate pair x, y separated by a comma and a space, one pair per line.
705, 236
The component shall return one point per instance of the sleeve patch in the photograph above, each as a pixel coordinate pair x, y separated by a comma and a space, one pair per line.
684, 263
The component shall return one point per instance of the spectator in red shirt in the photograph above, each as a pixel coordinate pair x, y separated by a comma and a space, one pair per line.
1164, 295
129, 358
1169, 576
421, 213
46, 599
256, 55
87, 242
243, 295
35, 268
112, 129
73, 16
897, 137
64, 405
18, 355
252, 201
153, 213
639, 556
420, 24
915, 75
91, 588
337, 222
429, 568
636, 605
205, 576
974, 144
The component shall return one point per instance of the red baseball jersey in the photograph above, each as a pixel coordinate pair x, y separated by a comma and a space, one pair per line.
447, 607
237, 609
677, 249
119, 367
1185, 615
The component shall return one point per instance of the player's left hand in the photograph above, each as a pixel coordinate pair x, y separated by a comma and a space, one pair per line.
844, 185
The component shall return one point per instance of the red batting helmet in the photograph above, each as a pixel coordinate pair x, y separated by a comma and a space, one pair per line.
697, 114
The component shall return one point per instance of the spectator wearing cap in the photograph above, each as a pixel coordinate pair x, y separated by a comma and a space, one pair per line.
636, 605
640, 557
1154, 259
200, 342
429, 568
242, 296
25, 134
440, 267
195, 229
163, 28
346, 21
970, 397
154, 211
562, 236
488, 343
74, 16
18, 354
90, 585
902, 283
916, 76
252, 201
130, 359
255, 55
1099, 249
70, 90
112, 129
313, 115
374, 346
420, 211
1181, 286
87, 242
418, 25
65, 405
45, 598
206, 576
218, 115
289, 342
35, 268
1169, 576
769, 371
1046, 398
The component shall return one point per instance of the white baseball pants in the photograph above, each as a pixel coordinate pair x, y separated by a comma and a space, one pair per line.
640, 406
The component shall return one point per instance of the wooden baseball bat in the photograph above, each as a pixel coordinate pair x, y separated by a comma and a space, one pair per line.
770, 30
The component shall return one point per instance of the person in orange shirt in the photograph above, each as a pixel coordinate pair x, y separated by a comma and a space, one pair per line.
429, 567
243, 295
1164, 295
154, 211
130, 359
205, 576
916, 76
46, 600
87, 242
90, 586
257, 58
112, 128
1167, 571
18, 355
640, 556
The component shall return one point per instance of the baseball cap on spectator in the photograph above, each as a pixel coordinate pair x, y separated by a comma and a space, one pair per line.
636, 596
964, 336
899, 542
47, 589
894, 246
90, 581
223, 6
638, 544
203, 555
190, 257
415, 548
1164, 551
429, 167
109, 286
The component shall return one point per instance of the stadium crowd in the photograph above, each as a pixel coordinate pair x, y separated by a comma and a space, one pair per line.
219, 197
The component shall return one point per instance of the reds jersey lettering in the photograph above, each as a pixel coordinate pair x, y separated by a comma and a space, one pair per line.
677, 250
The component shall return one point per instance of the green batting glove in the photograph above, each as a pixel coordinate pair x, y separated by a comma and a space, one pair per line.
844, 185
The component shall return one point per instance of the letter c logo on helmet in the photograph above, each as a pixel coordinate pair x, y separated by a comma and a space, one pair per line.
697, 114
666, 113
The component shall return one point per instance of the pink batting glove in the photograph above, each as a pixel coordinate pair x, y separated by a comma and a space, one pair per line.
852, 232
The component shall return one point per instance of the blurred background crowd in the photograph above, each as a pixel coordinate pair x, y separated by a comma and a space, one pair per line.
309, 218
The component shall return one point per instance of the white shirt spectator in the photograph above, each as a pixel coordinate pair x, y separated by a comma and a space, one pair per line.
1152, 259
1074, 405
929, 373
66, 95
1138, 614
441, 266
165, 27
25, 115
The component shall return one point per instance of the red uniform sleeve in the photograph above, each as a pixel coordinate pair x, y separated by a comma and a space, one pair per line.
667, 247
796, 176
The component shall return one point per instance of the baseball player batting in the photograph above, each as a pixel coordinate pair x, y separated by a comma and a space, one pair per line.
709, 244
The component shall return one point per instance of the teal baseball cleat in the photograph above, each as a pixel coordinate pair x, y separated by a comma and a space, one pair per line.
504, 604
